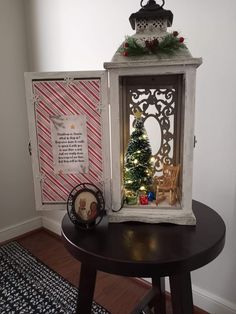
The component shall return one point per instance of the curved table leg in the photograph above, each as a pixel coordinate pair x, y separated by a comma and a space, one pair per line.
86, 289
181, 293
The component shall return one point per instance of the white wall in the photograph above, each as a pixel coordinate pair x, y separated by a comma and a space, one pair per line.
81, 35
16, 189
211, 29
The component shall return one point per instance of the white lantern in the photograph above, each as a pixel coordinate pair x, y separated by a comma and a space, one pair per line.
153, 73
150, 85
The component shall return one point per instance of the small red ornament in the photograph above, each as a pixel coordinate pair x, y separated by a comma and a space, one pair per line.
126, 45
143, 199
181, 39
125, 53
175, 33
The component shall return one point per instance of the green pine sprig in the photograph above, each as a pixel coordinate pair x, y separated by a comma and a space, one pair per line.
170, 44
132, 47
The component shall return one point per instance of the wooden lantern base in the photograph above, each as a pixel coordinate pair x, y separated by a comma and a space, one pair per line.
147, 214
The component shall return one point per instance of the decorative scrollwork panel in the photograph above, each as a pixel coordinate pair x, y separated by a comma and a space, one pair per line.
159, 109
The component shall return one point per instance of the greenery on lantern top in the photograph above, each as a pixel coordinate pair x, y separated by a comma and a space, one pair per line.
138, 165
168, 45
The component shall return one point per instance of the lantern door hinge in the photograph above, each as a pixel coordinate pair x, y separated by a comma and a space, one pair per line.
30, 148
194, 141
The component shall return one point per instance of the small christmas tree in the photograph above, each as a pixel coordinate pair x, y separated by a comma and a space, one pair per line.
138, 166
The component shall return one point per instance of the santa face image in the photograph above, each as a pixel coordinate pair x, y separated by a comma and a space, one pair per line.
86, 206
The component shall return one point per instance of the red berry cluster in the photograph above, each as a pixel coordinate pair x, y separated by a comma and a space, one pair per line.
125, 52
152, 45
176, 34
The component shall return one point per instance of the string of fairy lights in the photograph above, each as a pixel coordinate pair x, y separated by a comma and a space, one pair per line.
139, 162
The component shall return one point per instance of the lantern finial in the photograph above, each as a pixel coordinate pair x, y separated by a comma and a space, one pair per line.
151, 3
151, 11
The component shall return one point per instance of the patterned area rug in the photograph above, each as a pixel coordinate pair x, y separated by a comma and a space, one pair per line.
28, 286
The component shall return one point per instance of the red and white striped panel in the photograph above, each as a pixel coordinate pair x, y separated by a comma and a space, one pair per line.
58, 97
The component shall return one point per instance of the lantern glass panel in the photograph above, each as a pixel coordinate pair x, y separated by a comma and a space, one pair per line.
160, 99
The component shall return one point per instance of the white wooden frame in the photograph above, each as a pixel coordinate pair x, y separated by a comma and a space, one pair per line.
102, 75
187, 67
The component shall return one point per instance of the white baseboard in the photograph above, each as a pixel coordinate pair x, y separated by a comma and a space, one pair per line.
205, 300
51, 225
212, 303
20, 228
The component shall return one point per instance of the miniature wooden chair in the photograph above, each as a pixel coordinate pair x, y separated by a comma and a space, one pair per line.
167, 183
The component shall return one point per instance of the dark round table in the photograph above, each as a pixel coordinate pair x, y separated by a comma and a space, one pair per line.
146, 250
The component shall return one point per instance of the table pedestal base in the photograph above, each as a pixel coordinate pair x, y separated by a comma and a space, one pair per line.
180, 285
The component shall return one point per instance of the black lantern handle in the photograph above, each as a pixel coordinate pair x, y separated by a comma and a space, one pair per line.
152, 1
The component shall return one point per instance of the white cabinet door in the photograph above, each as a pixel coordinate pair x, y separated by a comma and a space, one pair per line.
69, 134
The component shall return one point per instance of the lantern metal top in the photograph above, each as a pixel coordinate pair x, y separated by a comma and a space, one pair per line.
150, 24
151, 10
